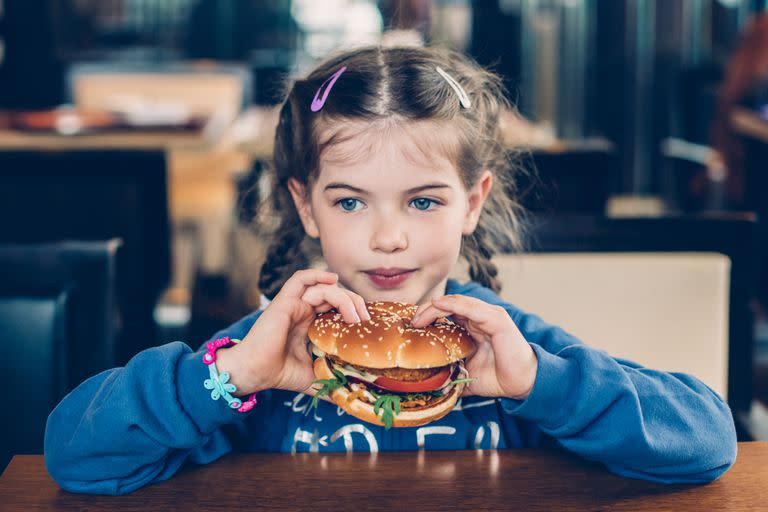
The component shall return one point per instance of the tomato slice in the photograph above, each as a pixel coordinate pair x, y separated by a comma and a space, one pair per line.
400, 386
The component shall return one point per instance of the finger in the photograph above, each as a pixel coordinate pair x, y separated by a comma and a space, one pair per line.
422, 307
475, 310
335, 296
301, 280
362, 310
428, 315
323, 308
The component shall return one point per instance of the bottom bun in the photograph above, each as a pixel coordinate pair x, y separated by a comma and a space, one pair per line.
364, 410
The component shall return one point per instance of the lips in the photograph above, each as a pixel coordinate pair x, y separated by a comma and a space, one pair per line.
389, 277
388, 272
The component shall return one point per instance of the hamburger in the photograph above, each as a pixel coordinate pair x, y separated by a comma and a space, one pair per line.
386, 372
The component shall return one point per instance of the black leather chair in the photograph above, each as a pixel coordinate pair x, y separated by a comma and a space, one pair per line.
734, 235
576, 180
48, 196
57, 327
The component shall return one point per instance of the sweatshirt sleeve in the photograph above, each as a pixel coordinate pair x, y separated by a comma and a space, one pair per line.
638, 422
130, 426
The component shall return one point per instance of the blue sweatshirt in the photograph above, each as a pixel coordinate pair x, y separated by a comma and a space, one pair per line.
127, 427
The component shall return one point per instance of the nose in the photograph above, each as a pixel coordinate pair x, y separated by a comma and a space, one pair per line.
389, 234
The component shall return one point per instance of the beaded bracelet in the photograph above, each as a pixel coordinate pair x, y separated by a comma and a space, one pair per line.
219, 383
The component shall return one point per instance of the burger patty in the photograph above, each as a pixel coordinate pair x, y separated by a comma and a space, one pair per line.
402, 374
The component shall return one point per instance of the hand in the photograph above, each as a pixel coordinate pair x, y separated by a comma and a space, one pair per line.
274, 352
504, 364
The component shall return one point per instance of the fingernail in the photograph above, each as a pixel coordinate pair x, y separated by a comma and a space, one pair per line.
357, 317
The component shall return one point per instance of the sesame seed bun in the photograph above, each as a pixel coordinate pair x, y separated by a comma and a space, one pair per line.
389, 341
364, 410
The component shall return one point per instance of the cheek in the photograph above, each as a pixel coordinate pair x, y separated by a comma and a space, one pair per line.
447, 224
339, 235
445, 228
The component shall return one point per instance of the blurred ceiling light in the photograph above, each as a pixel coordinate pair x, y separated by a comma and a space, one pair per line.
335, 23
730, 3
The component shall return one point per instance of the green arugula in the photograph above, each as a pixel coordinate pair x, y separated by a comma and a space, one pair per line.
458, 381
390, 406
328, 385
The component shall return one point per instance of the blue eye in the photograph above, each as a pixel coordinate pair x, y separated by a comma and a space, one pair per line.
422, 203
348, 204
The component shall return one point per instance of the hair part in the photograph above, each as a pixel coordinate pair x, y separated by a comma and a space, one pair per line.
396, 87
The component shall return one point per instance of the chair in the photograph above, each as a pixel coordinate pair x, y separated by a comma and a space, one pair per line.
48, 196
57, 327
576, 180
664, 310
733, 235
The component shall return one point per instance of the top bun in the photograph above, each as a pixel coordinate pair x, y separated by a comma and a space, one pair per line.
387, 340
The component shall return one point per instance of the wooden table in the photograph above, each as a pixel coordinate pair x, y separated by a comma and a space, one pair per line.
527, 480
204, 138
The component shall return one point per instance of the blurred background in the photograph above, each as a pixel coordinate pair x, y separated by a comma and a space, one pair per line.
136, 139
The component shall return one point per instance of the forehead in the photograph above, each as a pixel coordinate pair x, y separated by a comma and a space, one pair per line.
413, 149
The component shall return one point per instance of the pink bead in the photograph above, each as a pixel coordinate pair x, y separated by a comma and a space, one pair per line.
248, 405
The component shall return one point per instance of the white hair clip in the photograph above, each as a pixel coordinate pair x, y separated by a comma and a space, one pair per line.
460, 92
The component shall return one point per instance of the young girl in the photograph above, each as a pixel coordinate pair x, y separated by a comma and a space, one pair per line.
390, 159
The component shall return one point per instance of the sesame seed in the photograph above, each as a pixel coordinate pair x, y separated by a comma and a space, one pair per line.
367, 354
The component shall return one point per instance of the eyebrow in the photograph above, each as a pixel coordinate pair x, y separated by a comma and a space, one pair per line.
420, 188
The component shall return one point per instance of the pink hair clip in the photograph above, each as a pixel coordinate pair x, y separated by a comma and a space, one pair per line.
317, 102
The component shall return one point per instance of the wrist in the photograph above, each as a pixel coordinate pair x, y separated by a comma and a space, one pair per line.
529, 370
234, 360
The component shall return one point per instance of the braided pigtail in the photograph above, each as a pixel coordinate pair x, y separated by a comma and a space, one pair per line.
478, 251
284, 256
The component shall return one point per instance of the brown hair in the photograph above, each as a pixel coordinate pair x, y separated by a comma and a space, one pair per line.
398, 85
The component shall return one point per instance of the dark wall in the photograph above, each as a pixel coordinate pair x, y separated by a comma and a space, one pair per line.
31, 75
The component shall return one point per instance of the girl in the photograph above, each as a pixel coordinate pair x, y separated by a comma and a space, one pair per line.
387, 158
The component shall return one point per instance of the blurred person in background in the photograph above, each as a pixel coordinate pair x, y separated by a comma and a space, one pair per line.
745, 83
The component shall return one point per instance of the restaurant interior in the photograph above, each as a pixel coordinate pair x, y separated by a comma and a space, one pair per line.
136, 142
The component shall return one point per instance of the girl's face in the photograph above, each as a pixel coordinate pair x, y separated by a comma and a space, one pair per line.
389, 217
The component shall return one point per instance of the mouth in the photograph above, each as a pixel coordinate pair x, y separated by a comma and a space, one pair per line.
389, 277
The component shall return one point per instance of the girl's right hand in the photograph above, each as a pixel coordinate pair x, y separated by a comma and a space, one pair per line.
274, 352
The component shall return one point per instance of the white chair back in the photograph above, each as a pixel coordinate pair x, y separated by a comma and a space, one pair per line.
667, 311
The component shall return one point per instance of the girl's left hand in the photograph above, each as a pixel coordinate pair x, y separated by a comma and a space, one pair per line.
504, 364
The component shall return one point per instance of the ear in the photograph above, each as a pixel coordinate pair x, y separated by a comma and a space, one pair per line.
301, 200
477, 196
